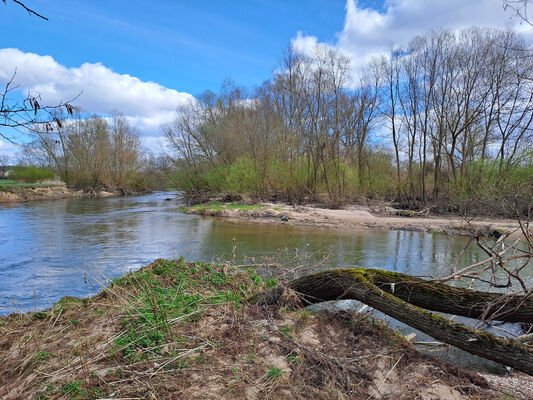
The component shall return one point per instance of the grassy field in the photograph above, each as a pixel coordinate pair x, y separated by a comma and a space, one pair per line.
7, 183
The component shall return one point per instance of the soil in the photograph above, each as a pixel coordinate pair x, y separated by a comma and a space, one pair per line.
231, 350
21, 194
55, 192
360, 216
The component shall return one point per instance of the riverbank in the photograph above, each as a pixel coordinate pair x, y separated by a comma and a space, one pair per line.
354, 216
33, 192
28, 192
185, 330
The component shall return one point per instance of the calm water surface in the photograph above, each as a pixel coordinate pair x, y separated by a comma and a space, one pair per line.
69, 247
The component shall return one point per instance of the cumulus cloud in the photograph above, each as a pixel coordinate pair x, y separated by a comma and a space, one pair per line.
146, 104
368, 32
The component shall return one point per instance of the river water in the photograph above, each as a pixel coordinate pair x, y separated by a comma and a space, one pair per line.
71, 247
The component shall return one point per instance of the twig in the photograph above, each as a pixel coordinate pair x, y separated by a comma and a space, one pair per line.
386, 376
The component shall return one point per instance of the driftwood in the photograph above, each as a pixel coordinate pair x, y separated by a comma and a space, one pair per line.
407, 299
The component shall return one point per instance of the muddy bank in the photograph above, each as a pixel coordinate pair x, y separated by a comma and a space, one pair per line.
185, 330
19, 194
355, 216
29, 193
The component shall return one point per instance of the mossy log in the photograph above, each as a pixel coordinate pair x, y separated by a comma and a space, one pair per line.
368, 286
426, 294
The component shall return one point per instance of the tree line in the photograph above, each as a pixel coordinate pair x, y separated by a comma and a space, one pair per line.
91, 153
431, 123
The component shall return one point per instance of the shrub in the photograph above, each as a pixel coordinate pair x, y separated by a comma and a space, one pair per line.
31, 174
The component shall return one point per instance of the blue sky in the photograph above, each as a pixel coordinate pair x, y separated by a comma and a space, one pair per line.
186, 45
146, 58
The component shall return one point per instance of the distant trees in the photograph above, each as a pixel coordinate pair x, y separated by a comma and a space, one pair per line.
422, 123
91, 153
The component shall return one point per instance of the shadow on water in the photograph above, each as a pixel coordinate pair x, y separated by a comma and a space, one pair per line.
67, 247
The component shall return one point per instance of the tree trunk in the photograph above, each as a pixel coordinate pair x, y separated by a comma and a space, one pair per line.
374, 287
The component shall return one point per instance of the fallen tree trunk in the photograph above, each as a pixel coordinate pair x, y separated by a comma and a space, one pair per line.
426, 294
359, 285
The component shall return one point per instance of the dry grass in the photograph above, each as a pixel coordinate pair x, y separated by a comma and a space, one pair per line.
181, 330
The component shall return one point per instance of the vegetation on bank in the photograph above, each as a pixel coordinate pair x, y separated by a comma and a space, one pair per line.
31, 174
178, 329
428, 125
213, 206
9, 183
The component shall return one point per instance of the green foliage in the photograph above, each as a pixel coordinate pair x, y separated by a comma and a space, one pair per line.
275, 373
39, 315
74, 389
42, 356
286, 330
502, 185
242, 177
296, 179
31, 174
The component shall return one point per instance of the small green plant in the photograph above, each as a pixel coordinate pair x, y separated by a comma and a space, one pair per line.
39, 315
75, 322
74, 389
294, 359
42, 356
270, 282
304, 314
275, 373
286, 330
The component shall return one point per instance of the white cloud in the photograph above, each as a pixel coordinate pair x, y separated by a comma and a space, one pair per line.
367, 32
146, 104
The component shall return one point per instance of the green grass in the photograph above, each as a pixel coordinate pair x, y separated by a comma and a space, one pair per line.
286, 330
170, 291
8, 183
42, 356
218, 206
77, 390
275, 373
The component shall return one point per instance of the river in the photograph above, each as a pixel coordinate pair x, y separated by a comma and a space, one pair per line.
71, 247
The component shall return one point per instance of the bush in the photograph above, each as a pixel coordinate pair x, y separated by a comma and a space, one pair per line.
31, 174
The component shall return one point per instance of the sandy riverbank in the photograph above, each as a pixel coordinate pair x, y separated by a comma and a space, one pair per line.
356, 216
20, 194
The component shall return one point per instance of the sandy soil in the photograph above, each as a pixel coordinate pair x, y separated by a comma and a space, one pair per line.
21, 194
358, 216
